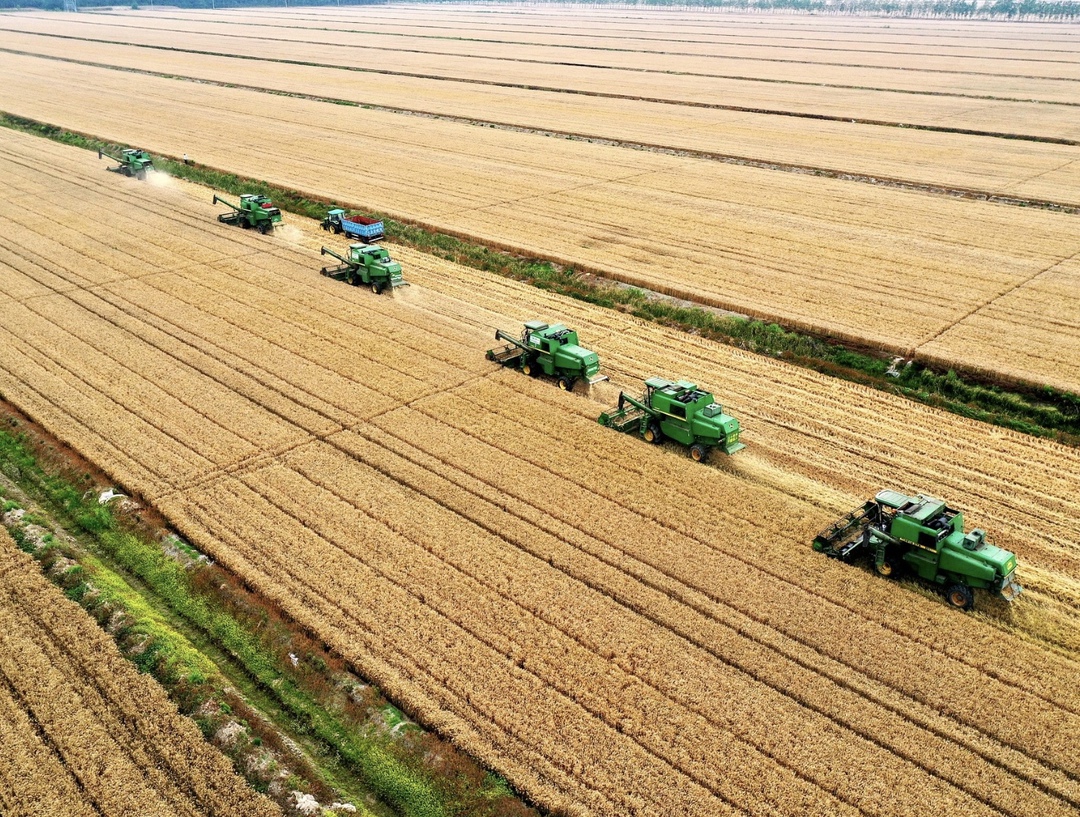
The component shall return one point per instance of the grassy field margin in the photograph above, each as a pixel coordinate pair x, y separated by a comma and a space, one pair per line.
227, 660
1038, 411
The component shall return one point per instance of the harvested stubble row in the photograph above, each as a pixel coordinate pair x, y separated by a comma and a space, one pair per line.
82, 730
723, 79
1022, 168
592, 616
680, 32
818, 254
1045, 49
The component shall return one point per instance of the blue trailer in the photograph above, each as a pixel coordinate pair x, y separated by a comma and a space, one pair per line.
362, 227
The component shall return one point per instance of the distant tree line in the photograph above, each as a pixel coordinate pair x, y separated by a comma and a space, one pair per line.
92, 5
949, 9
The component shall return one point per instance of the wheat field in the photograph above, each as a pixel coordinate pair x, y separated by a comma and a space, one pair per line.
613, 627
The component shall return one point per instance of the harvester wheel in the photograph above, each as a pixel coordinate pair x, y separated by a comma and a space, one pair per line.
376, 287
960, 596
886, 568
652, 433
566, 384
529, 370
698, 452
264, 227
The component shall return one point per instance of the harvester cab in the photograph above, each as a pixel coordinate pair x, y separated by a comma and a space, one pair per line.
549, 349
253, 211
923, 536
133, 162
367, 264
680, 411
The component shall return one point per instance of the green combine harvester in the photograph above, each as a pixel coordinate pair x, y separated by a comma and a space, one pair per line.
925, 537
133, 162
549, 349
679, 411
367, 264
254, 211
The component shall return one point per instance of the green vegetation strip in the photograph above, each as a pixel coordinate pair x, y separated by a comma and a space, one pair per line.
1041, 412
171, 658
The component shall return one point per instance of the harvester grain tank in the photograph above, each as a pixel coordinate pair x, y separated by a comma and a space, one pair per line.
366, 229
367, 264
133, 162
253, 211
549, 349
923, 536
679, 411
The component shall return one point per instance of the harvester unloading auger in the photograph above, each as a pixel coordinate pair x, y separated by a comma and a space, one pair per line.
254, 211
925, 537
549, 349
679, 411
133, 162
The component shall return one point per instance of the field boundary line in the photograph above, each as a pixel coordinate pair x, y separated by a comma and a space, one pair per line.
554, 89
617, 50
876, 180
1017, 286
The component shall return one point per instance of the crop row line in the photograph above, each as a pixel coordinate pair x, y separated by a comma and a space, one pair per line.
451, 611
118, 717
538, 614
856, 120
593, 35
660, 488
676, 589
305, 594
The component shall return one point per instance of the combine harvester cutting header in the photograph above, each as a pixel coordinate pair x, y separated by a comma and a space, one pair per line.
133, 162
927, 537
680, 411
254, 211
551, 349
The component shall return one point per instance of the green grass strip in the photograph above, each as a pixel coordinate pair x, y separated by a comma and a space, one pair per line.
1038, 411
